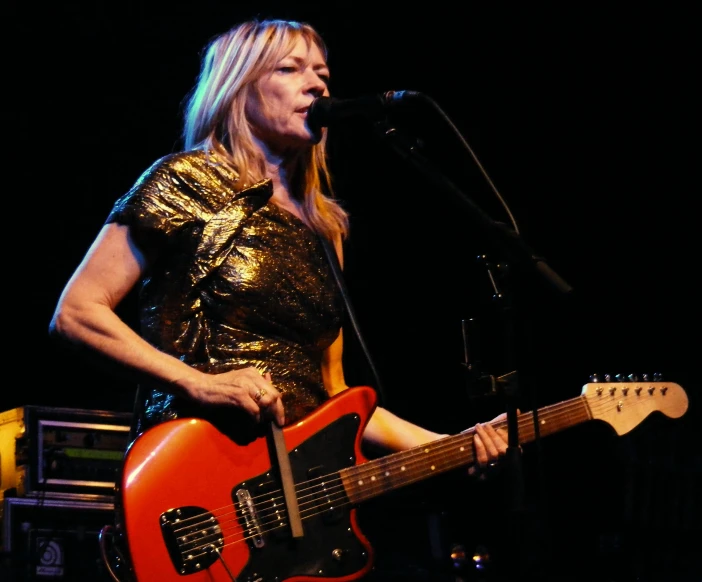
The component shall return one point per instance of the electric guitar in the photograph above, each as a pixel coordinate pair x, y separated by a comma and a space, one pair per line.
194, 505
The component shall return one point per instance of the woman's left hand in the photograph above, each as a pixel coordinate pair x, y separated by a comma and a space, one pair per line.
490, 445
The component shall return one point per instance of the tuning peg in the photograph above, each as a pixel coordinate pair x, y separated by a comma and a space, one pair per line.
607, 377
620, 378
658, 377
633, 378
594, 378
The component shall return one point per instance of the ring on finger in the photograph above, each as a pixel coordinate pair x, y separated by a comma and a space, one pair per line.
260, 394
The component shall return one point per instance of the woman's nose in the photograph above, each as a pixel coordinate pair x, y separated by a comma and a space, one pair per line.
316, 92
316, 86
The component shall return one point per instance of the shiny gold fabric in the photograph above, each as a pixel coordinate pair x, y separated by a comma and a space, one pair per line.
238, 282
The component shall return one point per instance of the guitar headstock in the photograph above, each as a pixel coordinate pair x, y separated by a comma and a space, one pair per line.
624, 402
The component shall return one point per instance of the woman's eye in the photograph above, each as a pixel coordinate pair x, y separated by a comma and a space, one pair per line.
286, 69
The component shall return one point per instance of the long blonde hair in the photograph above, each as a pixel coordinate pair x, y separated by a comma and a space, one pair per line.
215, 117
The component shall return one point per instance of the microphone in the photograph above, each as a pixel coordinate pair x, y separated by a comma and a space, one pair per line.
325, 111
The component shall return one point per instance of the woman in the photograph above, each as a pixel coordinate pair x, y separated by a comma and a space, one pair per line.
240, 314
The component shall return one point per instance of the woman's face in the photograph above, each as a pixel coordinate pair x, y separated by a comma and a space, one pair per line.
277, 111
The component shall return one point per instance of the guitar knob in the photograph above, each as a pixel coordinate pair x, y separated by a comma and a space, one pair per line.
338, 554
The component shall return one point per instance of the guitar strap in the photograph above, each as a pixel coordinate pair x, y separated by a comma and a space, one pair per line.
338, 275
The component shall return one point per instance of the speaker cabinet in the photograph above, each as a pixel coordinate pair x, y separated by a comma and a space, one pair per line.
53, 539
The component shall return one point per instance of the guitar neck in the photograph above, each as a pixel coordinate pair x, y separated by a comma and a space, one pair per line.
368, 480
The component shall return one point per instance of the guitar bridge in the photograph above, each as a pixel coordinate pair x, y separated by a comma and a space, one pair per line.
251, 521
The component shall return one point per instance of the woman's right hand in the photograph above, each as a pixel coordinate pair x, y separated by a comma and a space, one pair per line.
86, 317
245, 388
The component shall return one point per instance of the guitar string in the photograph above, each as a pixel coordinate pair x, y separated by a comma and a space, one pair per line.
405, 461
525, 420
529, 419
262, 516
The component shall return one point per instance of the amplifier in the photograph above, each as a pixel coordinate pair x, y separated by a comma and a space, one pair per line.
62, 452
53, 539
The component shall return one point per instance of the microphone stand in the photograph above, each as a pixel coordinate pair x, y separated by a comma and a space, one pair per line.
499, 232
513, 245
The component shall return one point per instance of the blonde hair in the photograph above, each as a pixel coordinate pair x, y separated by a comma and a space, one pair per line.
215, 117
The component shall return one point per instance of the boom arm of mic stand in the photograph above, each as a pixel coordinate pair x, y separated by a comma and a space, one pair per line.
498, 231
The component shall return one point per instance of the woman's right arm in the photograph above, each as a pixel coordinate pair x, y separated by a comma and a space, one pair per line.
86, 318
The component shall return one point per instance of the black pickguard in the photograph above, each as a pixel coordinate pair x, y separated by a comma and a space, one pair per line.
329, 547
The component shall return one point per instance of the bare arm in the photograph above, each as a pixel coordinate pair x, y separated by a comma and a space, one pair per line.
86, 318
388, 431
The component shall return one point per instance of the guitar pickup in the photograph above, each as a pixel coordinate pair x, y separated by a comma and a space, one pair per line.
328, 503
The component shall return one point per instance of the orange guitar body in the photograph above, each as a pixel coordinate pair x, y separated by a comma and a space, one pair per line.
185, 471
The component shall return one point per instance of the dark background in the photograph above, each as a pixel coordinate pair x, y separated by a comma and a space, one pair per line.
582, 120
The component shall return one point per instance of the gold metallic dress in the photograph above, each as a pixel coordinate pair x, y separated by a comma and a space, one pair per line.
238, 282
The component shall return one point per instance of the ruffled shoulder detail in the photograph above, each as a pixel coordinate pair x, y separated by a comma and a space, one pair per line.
181, 190
190, 201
